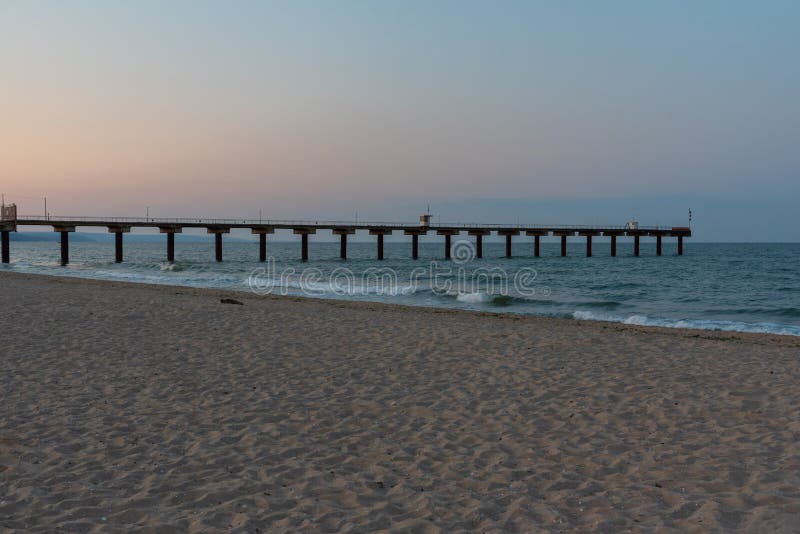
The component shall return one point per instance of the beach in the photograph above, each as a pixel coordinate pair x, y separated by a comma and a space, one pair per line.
132, 406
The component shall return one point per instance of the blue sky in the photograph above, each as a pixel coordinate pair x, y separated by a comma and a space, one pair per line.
551, 112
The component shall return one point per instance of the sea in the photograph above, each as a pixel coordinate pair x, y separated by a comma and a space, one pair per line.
743, 287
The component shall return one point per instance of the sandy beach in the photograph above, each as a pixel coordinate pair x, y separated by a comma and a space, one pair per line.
140, 407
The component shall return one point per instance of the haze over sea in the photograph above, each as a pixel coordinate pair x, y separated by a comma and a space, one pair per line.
733, 287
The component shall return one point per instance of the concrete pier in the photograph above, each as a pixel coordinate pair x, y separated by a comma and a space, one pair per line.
478, 234
588, 236
262, 232
563, 235
380, 232
170, 230
507, 234
343, 233
613, 246
6, 245
636, 245
304, 233
537, 235
680, 245
64, 230
415, 233
118, 231
218, 231
658, 245
447, 233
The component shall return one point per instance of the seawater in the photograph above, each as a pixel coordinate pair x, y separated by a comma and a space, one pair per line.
735, 287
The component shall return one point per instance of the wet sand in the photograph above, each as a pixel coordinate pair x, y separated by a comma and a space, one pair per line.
136, 407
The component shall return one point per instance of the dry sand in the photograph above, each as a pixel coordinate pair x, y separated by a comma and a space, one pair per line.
131, 406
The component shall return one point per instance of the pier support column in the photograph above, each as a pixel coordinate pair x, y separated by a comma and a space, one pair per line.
447, 246
588, 236
218, 231
658, 245
118, 231
304, 233
563, 245
262, 247
613, 245
537, 236
170, 230
636, 245
507, 234
478, 234
380, 232
680, 245
64, 231
343, 246
415, 241
6, 246
262, 232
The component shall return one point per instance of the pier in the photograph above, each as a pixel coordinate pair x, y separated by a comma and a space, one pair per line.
219, 227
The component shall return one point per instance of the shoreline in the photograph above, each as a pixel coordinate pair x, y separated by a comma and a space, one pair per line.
725, 335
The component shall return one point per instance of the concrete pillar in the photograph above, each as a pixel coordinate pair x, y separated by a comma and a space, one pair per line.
447, 246
680, 245
588, 246
343, 246
64, 247
508, 245
380, 246
613, 245
479, 246
658, 245
563, 245
218, 247
304, 247
636, 245
262, 232
262, 247
536, 246
64, 231
6, 239
118, 247
414, 233
170, 230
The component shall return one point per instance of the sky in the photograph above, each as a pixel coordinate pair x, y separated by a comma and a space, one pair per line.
542, 112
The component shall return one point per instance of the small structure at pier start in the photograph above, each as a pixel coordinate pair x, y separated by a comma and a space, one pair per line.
219, 227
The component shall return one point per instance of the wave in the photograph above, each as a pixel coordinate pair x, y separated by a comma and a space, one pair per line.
698, 324
485, 298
